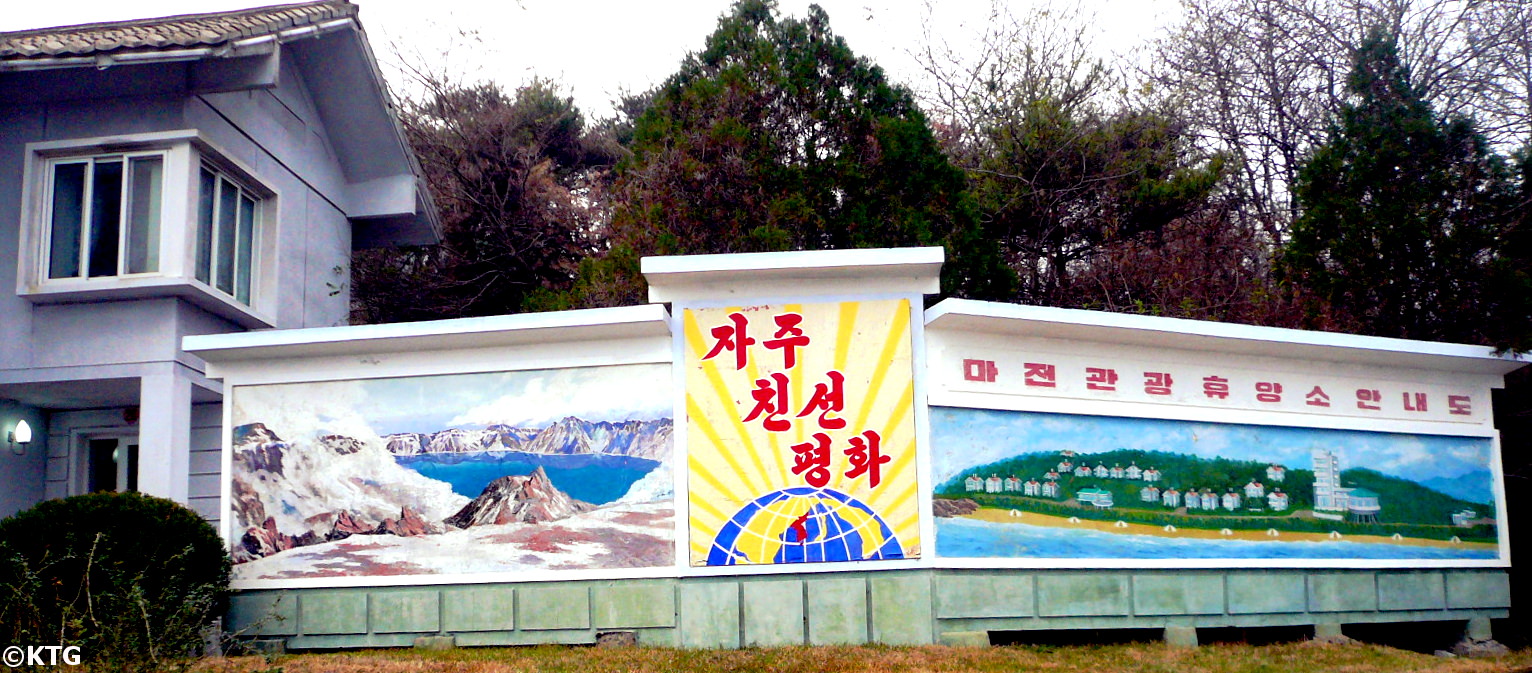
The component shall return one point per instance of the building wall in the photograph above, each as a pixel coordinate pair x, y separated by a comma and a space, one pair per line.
280, 135
277, 133
64, 466
894, 607
22, 475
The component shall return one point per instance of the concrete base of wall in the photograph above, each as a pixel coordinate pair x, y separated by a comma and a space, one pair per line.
905, 607
435, 643
1180, 636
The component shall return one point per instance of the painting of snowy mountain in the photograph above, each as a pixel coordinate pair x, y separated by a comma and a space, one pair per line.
566, 469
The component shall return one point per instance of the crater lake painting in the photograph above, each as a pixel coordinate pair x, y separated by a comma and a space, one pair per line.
1028, 485
461, 474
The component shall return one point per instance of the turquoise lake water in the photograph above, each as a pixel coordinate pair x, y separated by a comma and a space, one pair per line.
596, 479
970, 538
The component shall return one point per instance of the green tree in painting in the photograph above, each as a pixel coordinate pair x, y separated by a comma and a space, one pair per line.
1408, 220
777, 137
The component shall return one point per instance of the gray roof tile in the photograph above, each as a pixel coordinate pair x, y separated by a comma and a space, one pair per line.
167, 33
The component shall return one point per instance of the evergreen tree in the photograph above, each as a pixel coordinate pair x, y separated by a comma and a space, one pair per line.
777, 137
1405, 216
515, 175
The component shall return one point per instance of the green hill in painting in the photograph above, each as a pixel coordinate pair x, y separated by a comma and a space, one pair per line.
1404, 502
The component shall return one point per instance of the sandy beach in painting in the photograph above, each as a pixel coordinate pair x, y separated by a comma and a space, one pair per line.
1032, 518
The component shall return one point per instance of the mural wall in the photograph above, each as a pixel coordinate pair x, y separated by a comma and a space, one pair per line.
801, 433
1026, 485
456, 474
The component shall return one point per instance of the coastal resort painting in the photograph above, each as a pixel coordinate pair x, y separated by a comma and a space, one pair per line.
1028, 485
462, 474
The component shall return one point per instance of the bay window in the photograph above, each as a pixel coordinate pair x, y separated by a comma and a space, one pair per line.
135, 216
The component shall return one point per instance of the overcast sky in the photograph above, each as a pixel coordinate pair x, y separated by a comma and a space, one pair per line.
596, 48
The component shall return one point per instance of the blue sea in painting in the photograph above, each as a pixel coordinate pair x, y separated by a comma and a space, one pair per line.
969, 538
596, 479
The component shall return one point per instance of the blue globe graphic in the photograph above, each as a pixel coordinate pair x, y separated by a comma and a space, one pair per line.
803, 525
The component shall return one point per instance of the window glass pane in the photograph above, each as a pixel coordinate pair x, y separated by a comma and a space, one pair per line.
206, 196
223, 250
105, 216
243, 250
145, 175
64, 229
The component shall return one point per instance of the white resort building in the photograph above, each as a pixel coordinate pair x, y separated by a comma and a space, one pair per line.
1277, 500
1170, 498
1099, 497
1255, 489
1231, 501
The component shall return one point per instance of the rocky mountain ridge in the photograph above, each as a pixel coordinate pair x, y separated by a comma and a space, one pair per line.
568, 436
293, 494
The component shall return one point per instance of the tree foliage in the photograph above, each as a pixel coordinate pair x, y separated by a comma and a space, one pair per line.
1263, 78
517, 179
1409, 221
1076, 179
776, 136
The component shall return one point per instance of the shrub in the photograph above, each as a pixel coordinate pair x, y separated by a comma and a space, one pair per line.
132, 579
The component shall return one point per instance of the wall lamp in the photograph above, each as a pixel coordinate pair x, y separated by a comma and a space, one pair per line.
20, 437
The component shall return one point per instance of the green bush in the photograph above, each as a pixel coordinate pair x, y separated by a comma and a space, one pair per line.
132, 579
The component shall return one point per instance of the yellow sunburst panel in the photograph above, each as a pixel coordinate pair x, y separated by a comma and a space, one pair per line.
734, 461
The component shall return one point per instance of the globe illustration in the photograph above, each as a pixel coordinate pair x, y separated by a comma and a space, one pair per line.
803, 525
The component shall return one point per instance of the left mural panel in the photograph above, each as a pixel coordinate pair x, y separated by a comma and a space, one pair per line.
461, 474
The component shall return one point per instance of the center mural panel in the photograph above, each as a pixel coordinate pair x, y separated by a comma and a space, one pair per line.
1028, 485
562, 469
801, 433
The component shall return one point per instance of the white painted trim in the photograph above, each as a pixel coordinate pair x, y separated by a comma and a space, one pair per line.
439, 335
1124, 328
801, 275
1059, 405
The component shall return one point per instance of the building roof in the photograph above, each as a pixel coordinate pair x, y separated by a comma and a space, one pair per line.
171, 33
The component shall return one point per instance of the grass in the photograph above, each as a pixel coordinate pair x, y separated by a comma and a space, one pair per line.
1147, 658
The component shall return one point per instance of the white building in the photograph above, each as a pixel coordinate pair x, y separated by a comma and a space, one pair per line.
1099, 497
1209, 499
973, 483
1330, 499
1192, 500
1133, 471
1011, 484
1032, 487
1117, 472
1151, 475
1101, 471
1277, 500
1255, 489
1363, 505
1149, 494
993, 484
1231, 501
1050, 489
1170, 498
1082, 471
1275, 473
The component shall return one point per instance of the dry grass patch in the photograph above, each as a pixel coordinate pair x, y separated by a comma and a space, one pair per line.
1153, 658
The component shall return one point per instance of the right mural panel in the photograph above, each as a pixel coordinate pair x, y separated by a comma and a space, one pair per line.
1030, 485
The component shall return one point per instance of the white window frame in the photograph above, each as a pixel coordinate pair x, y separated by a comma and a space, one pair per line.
185, 153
